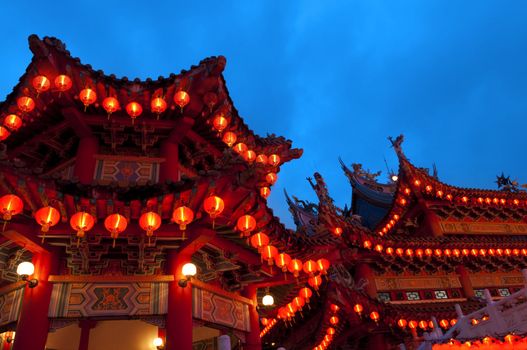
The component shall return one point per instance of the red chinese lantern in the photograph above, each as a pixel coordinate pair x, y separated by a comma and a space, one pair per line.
323, 265
25, 104
134, 110
262, 159
295, 266
259, 240
367, 244
358, 309
264, 321
412, 324
81, 222
374, 315
334, 308
330, 330
229, 138
334, 320
150, 222
292, 308
41, 84
268, 253
13, 122
273, 160
110, 105
337, 231
453, 322
246, 224
183, 216
249, 156
282, 260
10, 205
299, 302
115, 224
47, 217
265, 192
63, 83
214, 206
282, 313
315, 282
220, 123
378, 248
305, 293
181, 98
423, 325
271, 178
87, 97
402, 323
328, 338
158, 105
310, 267
4, 133
444, 323
240, 148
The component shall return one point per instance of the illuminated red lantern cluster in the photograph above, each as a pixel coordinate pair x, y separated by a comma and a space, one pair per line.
445, 253
268, 326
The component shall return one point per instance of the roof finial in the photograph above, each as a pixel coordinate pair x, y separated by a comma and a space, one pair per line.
396, 144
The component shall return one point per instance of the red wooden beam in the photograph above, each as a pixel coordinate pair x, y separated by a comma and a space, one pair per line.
199, 236
279, 280
26, 241
77, 122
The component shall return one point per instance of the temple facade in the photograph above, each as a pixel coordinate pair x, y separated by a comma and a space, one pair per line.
128, 207
134, 216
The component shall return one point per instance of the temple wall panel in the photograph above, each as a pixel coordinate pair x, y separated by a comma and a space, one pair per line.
10, 304
417, 282
497, 280
214, 308
108, 299
126, 170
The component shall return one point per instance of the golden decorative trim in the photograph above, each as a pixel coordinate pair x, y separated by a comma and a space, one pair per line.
109, 279
496, 280
417, 282
457, 227
129, 158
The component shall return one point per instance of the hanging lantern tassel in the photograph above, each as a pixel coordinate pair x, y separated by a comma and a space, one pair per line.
114, 235
80, 234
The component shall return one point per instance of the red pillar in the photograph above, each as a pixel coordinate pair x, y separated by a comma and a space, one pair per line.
376, 341
252, 340
85, 162
85, 326
364, 271
169, 169
179, 316
464, 279
33, 323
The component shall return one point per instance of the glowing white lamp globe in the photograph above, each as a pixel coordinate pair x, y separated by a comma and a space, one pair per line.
158, 342
268, 300
25, 268
189, 270
395, 178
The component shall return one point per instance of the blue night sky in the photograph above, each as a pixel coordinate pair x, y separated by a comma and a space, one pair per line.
335, 77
